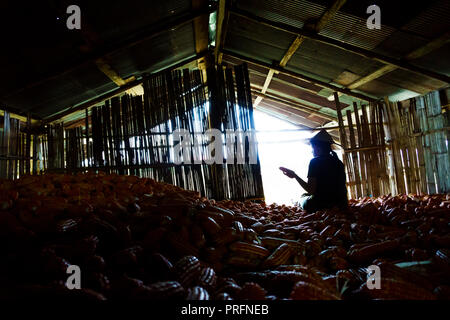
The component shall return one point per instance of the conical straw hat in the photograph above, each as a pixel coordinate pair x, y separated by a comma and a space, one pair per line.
322, 136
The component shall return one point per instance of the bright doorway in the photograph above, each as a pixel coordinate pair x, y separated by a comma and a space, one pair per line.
281, 144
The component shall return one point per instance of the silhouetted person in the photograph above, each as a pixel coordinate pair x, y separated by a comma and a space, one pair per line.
326, 177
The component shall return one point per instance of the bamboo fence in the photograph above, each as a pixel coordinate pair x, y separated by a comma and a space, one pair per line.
396, 148
364, 149
419, 139
21, 151
389, 148
135, 134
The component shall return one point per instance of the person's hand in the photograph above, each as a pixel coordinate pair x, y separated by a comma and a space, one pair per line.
287, 172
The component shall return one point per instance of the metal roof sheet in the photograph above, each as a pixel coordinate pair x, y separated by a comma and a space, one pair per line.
162, 50
425, 23
50, 45
291, 12
381, 89
286, 113
331, 64
434, 60
297, 92
257, 40
399, 44
84, 83
323, 61
353, 30
262, 72
412, 81
257, 79
119, 19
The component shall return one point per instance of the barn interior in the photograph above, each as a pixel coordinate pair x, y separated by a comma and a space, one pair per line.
97, 101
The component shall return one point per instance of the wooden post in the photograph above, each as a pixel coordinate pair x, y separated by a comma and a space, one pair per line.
355, 162
343, 140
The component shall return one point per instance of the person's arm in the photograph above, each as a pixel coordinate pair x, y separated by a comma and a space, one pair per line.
309, 186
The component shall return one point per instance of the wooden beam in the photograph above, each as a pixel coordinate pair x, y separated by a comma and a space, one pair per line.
400, 63
342, 133
291, 51
135, 39
201, 23
372, 76
23, 119
324, 19
256, 90
201, 32
292, 113
429, 47
294, 105
328, 15
265, 87
299, 76
288, 115
119, 90
222, 12
419, 52
258, 100
279, 116
268, 80
93, 41
106, 68
284, 82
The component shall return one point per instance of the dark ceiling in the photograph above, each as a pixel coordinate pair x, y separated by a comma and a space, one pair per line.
47, 68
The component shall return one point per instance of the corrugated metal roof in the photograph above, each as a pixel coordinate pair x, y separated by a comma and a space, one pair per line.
291, 12
400, 44
84, 83
287, 114
297, 82
297, 112
301, 94
165, 49
56, 65
329, 63
380, 89
256, 40
433, 60
364, 67
257, 79
288, 87
34, 41
412, 81
119, 19
320, 120
322, 61
115, 22
425, 23
353, 30
262, 73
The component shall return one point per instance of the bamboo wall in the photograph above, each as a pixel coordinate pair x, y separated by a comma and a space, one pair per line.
362, 138
395, 147
21, 151
231, 109
134, 134
420, 154
388, 147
